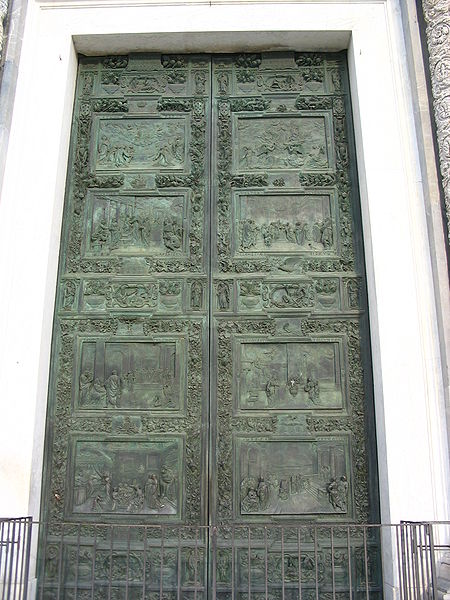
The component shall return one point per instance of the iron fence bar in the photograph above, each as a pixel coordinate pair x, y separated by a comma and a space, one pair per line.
405, 560
26, 563
349, 564
299, 552
196, 581
67, 563
94, 553
42, 558
127, 576
17, 557
60, 555
144, 569
422, 544
433, 561
333, 580
249, 563
179, 565
266, 566
213, 542
366, 566
161, 565
316, 564
77, 564
282, 564
399, 561
7, 562
111, 554
415, 554
233, 561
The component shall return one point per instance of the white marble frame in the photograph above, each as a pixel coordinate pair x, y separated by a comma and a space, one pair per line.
408, 382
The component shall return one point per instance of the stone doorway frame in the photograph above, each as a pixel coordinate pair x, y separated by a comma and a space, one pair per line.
409, 384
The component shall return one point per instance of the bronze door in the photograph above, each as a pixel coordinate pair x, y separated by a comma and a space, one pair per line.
210, 330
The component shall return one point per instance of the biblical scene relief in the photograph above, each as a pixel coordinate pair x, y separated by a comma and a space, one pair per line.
284, 223
293, 477
291, 375
135, 225
129, 375
281, 143
141, 144
140, 477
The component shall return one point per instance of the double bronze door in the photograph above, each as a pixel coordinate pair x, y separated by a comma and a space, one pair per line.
210, 338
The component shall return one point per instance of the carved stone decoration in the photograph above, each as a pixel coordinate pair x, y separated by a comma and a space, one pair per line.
437, 18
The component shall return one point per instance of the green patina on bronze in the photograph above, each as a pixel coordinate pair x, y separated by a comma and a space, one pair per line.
211, 323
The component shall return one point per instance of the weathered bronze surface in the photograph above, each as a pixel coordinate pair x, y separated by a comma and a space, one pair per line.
210, 331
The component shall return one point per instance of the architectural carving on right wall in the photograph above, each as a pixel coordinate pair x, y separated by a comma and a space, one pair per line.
3, 13
437, 18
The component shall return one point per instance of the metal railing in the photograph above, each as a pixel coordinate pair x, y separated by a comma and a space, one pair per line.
96, 561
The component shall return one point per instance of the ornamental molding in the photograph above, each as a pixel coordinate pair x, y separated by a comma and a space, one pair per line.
3, 13
437, 19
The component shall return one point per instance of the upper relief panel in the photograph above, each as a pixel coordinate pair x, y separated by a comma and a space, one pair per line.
283, 194
138, 176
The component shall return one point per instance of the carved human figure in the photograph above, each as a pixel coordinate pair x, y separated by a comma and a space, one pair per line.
342, 488
113, 388
200, 80
223, 295
86, 380
263, 492
128, 381
353, 294
293, 386
100, 234
299, 233
69, 295
165, 482
172, 234
151, 492
222, 83
337, 493
196, 295
327, 233
250, 503
248, 234
311, 387
98, 393
270, 388
137, 499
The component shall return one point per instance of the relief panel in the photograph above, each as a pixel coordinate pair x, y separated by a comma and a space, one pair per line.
281, 142
320, 295
130, 375
293, 476
162, 296
124, 225
154, 144
288, 375
285, 223
142, 477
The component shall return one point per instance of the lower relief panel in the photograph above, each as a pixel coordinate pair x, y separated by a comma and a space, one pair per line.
293, 476
291, 441
140, 476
